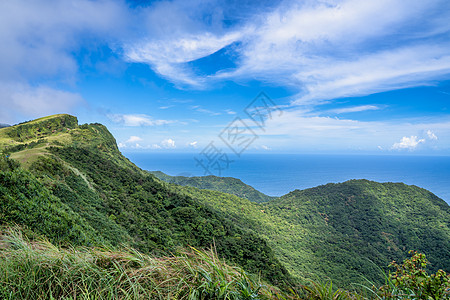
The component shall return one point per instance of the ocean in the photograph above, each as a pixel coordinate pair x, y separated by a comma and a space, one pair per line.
278, 174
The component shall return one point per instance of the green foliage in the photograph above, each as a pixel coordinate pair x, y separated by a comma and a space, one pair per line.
26, 201
345, 231
7, 164
228, 185
39, 270
29, 145
40, 128
365, 223
157, 219
323, 290
411, 280
125, 205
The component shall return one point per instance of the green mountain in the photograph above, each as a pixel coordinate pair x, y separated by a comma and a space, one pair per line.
228, 185
347, 231
365, 223
70, 183
75, 186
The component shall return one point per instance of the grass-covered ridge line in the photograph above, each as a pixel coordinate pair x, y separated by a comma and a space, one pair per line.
37, 129
228, 185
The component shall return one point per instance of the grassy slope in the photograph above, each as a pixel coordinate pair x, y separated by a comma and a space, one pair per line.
40, 270
228, 185
25, 200
83, 168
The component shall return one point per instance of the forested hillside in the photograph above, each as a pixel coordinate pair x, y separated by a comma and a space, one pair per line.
345, 231
70, 184
78, 187
227, 185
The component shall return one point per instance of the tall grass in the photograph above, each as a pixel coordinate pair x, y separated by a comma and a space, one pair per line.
37, 269
40, 270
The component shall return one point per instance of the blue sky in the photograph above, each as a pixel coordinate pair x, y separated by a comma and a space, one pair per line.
369, 77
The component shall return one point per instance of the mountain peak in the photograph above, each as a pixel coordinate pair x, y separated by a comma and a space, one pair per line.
29, 140
37, 129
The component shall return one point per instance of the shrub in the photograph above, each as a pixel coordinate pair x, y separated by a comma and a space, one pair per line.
410, 280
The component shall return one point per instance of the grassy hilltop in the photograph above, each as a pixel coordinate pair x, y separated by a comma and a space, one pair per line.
69, 184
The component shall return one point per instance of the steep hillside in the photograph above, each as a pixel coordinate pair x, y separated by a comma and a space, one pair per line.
344, 231
228, 185
25, 200
364, 223
81, 168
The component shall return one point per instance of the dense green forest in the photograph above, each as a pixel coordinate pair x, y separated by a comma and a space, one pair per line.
71, 185
343, 231
227, 185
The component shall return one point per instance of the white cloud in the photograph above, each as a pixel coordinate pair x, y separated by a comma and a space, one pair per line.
230, 112
431, 135
265, 147
168, 144
205, 111
41, 35
193, 144
38, 40
353, 109
330, 50
324, 49
133, 139
32, 102
137, 120
166, 56
302, 130
409, 143
400, 68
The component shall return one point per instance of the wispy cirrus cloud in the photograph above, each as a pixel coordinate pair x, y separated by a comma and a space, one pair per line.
205, 111
325, 50
352, 109
138, 120
167, 57
304, 130
322, 49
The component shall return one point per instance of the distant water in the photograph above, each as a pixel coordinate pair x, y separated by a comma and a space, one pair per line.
278, 174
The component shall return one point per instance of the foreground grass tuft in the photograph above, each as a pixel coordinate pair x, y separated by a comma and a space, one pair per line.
40, 270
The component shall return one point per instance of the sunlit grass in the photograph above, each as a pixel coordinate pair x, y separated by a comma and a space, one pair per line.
41, 270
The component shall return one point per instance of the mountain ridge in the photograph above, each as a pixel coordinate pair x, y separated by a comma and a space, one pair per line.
332, 231
229, 185
127, 205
